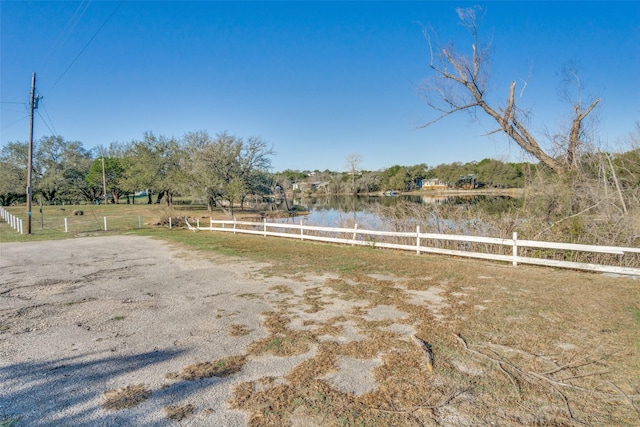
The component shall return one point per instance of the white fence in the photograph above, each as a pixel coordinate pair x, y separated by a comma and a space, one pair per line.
12, 220
433, 243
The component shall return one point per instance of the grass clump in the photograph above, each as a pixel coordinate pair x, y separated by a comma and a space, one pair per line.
218, 368
236, 330
179, 412
127, 397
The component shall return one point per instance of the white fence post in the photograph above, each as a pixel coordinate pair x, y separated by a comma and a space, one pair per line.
355, 233
66, 226
211, 223
418, 239
169, 223
265, 227
198, 223
21, 229
105, 223
515, 248
301, 230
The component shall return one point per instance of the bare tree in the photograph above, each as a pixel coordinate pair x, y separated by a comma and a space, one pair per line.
353, 161
461, 82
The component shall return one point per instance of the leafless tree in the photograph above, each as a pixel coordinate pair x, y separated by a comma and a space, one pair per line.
353, 161
461, 82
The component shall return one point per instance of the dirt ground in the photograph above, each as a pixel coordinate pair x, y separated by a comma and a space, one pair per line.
82, 317
128, 330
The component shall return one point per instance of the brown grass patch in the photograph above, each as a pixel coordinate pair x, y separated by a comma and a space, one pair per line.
217, 368
281, 289
236, 330
179, 412
126, 397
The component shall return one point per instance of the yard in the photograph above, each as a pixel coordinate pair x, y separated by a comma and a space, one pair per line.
158, 326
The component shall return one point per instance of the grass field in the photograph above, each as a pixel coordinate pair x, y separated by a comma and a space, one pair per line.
507, 346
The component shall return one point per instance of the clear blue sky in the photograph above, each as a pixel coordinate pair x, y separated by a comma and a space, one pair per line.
317, 80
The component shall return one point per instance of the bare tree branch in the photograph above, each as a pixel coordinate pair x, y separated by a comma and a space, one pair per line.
460, 84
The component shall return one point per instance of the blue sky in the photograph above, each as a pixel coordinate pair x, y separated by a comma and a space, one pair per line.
317, 80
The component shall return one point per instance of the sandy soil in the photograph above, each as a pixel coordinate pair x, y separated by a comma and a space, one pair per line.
81, 317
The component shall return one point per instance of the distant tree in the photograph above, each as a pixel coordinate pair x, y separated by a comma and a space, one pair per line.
404, 178
370, 181
113, 170
494, 173
153, 164
59, 168
227, 168
353, 162
13, 172
461, 83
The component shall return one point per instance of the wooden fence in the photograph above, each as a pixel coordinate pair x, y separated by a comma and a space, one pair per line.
508, 250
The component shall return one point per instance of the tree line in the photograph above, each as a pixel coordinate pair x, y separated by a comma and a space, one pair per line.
220, 170
225, 169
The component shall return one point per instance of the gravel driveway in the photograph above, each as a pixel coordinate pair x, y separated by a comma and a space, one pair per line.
81, 317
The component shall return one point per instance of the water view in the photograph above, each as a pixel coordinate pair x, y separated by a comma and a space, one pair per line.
367, 211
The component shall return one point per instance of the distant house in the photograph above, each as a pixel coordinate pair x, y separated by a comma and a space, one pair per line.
434, 184
306, 186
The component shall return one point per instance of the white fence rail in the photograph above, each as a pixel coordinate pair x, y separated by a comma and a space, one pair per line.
433, 243
12, 220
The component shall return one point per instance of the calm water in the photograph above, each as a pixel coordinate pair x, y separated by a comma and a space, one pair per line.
345, 211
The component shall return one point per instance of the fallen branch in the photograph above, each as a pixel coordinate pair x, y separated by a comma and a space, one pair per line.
427, 349
446, 401
497, 362
526, 375
628, 398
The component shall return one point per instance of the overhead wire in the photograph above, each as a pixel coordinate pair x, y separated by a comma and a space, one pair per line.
66, 31
15, 123
86, 45
45, 123
54, 132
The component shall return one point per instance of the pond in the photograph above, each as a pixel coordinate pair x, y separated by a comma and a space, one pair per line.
345, 211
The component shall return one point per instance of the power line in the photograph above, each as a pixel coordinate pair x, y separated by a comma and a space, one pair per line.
67, 30
86, 45
45, 123
48, 116
16, 122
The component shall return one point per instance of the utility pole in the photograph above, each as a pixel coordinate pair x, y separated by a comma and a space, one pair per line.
104, 182
32, 106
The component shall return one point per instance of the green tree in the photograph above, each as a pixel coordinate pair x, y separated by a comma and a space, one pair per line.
225, 169
59, 168
113, 173
13, 172
153, 164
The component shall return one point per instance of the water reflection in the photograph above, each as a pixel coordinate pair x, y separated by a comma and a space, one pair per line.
366, 211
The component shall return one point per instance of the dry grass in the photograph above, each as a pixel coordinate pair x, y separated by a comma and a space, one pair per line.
217, 368
511, 347
126, 397
236, 330
179, 412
